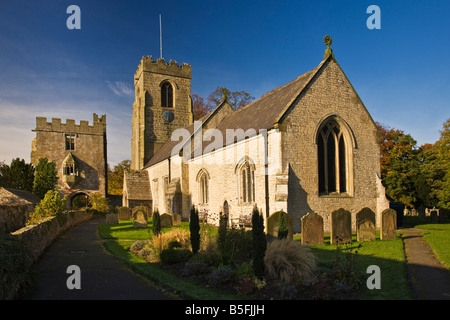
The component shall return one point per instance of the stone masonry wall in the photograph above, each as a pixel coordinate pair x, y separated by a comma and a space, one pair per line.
329, 94
150, 129
89, 153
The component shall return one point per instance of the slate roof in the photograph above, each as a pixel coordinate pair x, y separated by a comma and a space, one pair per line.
259, 114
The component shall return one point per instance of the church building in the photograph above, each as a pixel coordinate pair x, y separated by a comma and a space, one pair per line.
309, 145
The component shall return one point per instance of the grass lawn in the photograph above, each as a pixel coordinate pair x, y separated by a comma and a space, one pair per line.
438, 237
388, 255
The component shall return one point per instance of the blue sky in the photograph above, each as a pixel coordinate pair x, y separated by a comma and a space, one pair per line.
400, 71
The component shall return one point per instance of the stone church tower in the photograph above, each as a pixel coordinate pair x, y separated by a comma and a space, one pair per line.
162, 104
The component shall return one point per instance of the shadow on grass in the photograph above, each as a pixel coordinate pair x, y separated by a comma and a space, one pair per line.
388, 255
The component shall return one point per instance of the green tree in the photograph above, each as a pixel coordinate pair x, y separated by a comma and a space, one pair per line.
19, 175
259, 243
194, 228
443, 156
45, 177
430, 177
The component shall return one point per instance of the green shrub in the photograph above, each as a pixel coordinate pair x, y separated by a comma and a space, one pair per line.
98, 203
50, 206
175, 255
220, 276
45, 177
15, 266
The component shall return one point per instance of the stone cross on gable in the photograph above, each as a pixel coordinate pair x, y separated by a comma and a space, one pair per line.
328, 52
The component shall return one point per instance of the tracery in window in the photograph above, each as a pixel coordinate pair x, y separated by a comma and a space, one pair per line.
333, 160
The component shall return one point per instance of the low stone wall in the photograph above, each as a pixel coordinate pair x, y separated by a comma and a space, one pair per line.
13, 217
39, 236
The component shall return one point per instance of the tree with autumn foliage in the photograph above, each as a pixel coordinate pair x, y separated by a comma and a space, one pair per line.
399, 165
200, 107
115, 177
415, 175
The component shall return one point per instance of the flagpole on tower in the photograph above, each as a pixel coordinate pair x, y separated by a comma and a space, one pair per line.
160, 37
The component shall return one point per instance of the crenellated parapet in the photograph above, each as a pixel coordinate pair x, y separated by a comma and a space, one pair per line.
98, 126
160, 66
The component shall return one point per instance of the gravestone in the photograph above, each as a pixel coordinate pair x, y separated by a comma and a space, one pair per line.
176, 219
388, 224
140, 216
434, 216
365, 225
443, 213
124, 213
166, 220
312, 229
341, 226
272, 224
112, 218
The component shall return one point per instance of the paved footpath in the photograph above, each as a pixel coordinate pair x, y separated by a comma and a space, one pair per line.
103, 276
430, 279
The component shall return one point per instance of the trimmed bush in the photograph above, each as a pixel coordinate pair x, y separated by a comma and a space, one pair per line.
156, 223
259, 243
194, 228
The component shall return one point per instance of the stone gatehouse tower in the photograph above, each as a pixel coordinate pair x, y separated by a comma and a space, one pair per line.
162, 104
79, 152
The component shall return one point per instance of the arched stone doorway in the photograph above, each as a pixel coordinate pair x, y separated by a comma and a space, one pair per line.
77, 200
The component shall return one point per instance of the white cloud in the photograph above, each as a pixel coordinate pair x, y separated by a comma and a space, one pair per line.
120, 88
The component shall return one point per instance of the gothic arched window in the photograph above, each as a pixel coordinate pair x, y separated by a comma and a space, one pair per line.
167, 95
203, 186
246, 181
333, 159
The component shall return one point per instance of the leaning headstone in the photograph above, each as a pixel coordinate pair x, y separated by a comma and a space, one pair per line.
140, 216
166, 220
312, 229
434, 216
272, 224
112, 218
341, 226
388, 229
365, 225
124, 213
